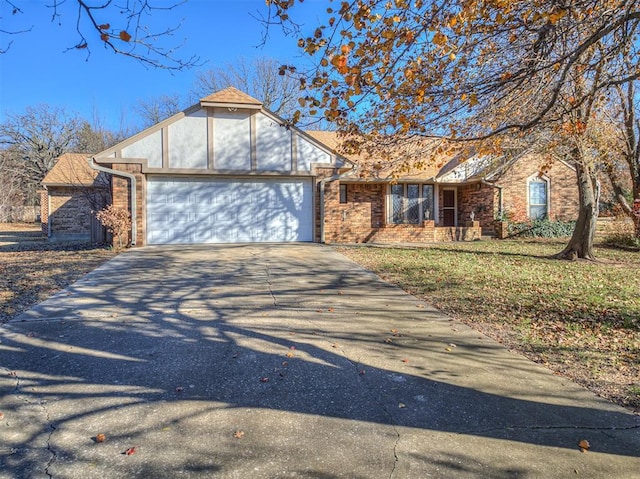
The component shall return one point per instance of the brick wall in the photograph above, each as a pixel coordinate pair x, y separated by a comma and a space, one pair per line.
362, 219
70, 214
480, 199
121, 188
563, 189
44, 211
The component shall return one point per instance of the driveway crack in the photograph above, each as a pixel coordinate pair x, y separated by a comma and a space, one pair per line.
52, 427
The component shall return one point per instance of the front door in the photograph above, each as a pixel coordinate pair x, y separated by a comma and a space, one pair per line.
449, 207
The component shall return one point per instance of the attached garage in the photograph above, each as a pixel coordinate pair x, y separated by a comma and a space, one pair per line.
228, 210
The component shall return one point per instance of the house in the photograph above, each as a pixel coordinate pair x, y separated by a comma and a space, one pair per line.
227, 170
73, 192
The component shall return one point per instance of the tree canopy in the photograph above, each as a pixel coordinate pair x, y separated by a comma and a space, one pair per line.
464, 69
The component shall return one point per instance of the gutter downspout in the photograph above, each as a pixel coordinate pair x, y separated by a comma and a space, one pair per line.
323, 181
122, 174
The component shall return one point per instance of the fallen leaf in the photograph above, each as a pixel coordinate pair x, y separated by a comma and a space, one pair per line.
179, 389
289, 354
584, 445
362, 372
100, 437
331, 310
292, 347
13, 374
131, 451
285, 363
264, 380
388, 340
405, 360
447, 349
1, 415
238, 434
402, 405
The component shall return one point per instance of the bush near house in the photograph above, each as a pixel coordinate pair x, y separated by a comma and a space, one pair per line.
541, 228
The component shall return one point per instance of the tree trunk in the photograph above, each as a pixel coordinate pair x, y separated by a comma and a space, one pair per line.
635, 215
581, 243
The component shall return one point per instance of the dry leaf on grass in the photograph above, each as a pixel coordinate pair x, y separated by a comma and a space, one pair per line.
100, 438
584, 445
238, 434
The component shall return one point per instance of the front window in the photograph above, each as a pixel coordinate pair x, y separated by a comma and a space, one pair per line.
538, 199
411, 203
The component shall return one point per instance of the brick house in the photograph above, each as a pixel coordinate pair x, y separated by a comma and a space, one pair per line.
227, 170
73, 191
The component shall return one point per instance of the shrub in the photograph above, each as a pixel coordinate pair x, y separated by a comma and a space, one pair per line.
620, 234
542, 228
117, 221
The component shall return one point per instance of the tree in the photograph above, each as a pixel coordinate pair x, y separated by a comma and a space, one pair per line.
156, 109
259, 78
32, 142
624, 141
124, 28
471, 70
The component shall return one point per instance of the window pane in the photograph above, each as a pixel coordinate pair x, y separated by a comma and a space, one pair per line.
343, 193
413, 203
397, 209
538, 193
537, 212
427, 202
537, 199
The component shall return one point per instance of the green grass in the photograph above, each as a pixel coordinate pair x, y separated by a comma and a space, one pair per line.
580, 318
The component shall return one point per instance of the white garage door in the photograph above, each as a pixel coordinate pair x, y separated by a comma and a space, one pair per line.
187, 210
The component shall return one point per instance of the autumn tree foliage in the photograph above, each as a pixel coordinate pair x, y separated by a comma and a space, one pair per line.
470, 70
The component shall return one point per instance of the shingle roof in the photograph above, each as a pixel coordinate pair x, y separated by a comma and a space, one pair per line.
231, 95
413, 160
71, 169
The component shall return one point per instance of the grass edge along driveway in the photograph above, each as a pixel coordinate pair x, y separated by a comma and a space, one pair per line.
580, 319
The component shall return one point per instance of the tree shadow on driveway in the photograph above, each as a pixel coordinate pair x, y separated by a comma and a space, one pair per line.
324, 369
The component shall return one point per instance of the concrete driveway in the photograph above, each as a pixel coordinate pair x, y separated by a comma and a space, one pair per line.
281, 361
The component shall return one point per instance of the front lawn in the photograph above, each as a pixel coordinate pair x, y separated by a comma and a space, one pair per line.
32, 269
580, 319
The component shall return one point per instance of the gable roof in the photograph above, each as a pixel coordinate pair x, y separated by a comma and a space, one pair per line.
230, 97
71, 169
412, 161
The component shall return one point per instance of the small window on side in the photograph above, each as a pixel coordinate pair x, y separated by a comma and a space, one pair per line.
343, 193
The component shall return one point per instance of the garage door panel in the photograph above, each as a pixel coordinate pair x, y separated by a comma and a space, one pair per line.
228, 211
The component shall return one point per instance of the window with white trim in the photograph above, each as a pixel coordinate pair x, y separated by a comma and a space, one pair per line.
538, 198
410, 203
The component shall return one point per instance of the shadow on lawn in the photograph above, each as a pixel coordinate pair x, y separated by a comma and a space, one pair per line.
158, 340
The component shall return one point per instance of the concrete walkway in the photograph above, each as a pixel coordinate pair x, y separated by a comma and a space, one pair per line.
281, 361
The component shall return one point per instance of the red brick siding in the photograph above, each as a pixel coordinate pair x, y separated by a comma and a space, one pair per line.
70, 214
363, 219
121, 188
44, 211
482, 200
563, 189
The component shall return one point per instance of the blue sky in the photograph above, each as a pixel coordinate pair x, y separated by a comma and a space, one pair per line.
36, 69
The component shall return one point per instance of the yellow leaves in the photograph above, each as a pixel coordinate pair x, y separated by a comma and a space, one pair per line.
506, 76
584, 445
473, 99
439, 39
555, 16
340, 63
